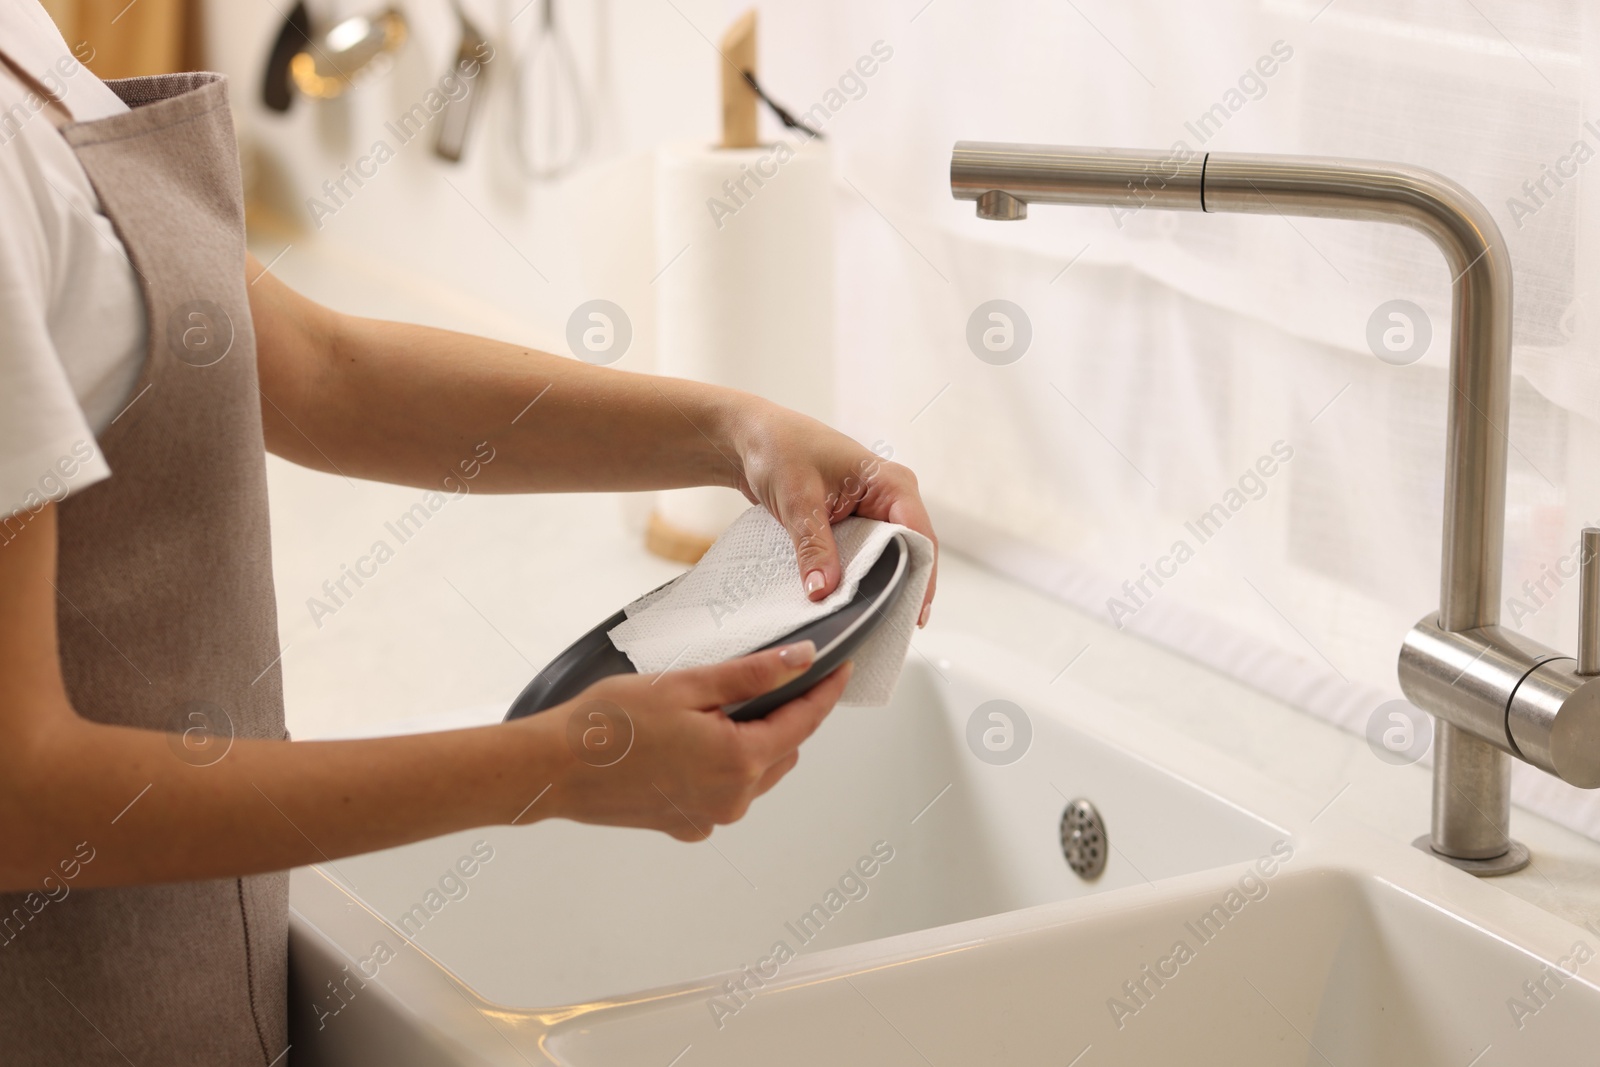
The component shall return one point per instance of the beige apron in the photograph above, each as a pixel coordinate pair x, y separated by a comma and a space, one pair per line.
166, 604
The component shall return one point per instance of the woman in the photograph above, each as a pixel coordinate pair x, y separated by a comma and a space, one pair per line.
141, 378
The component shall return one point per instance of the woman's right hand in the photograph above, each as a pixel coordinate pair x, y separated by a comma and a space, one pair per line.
656, 751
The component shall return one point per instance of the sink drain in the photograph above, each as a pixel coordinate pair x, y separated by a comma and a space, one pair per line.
1083, 839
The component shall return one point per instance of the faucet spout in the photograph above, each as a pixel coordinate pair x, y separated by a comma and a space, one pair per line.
1480, 724
1131, 180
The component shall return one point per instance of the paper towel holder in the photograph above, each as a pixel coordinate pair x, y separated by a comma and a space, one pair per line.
837, 635
735, 296
739, 97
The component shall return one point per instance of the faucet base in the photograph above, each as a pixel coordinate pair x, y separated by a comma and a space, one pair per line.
1512, 860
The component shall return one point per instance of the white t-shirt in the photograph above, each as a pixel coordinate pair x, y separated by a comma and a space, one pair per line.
72, 319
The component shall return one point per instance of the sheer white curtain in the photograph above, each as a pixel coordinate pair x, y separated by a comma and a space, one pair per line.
1176, 357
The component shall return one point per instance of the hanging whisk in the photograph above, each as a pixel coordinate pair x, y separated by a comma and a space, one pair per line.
550, 118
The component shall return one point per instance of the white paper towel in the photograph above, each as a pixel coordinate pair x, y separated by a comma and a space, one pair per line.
744, 298
746, 592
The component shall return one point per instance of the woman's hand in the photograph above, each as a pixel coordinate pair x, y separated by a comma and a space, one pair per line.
811, 476
656, 751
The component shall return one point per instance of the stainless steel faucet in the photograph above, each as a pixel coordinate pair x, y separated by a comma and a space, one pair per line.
1494, 694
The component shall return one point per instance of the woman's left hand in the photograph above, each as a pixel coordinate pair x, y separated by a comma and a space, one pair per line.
810, 476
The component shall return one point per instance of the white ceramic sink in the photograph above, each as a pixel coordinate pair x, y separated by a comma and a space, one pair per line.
1317, 966
972, 943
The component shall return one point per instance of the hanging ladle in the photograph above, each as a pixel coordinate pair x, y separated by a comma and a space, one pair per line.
352, 51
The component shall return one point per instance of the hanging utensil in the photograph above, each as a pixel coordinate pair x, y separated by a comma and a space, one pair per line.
456, 118
351, 51
277, 87
550, 120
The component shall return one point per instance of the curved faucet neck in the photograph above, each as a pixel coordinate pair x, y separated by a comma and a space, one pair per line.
1004, 178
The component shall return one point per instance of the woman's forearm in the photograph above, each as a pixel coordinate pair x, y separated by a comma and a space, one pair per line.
454, 413
148, 812
411, 404
152, 806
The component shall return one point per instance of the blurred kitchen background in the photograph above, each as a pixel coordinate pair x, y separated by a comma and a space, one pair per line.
1168, 353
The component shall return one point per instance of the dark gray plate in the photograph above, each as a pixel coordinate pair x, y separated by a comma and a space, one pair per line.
837, 635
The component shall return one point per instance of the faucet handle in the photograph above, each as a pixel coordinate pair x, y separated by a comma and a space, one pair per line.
1589, 602
1553, 717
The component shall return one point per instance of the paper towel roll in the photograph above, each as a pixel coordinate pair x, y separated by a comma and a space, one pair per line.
744, 239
